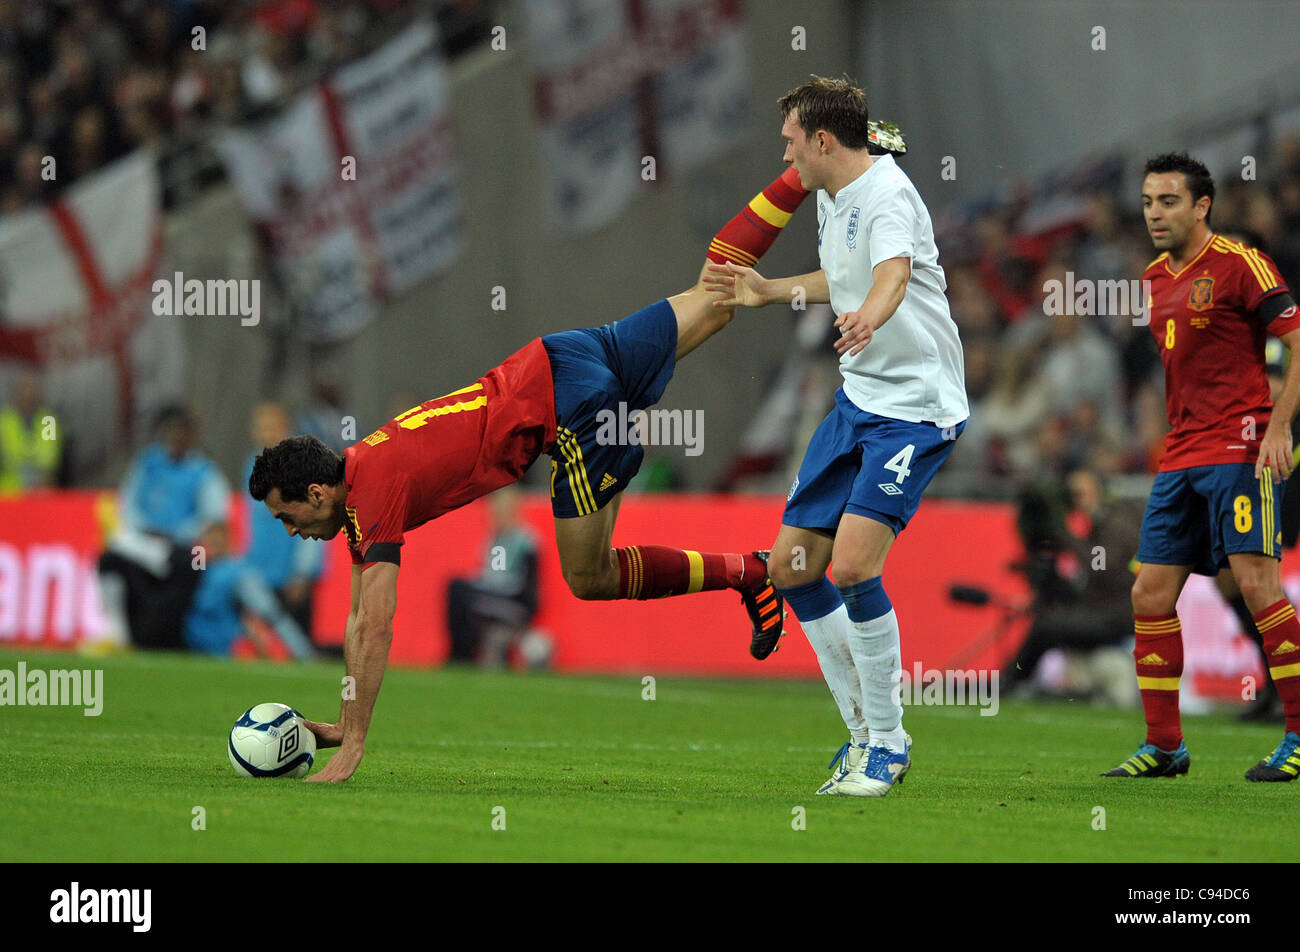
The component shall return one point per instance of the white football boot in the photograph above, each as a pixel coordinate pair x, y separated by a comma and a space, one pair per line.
846, 760
877, 773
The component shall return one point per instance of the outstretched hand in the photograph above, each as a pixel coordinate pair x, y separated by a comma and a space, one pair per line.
740, 286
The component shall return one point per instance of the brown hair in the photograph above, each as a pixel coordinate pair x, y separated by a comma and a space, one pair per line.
836, 105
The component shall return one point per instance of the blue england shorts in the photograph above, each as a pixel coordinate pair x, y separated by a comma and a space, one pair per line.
595, 369
866, 464
1201, 515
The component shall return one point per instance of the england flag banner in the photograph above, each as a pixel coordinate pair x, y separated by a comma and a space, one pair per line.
354, 184
629, 92
75, 306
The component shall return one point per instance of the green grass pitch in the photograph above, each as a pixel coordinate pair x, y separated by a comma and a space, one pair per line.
584, 768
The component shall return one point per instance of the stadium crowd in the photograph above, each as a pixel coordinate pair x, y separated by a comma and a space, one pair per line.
87, 81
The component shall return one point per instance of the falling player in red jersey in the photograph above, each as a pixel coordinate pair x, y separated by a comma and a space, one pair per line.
1217, 496
557, 395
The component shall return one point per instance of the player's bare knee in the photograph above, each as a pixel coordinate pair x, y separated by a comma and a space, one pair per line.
788, 569
590, 586
1152, 600
1259, 590
851, 573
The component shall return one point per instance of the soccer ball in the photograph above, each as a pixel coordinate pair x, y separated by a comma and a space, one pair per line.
271, 740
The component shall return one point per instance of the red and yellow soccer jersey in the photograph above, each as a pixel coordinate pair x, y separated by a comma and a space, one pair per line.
1209, 321
447, 452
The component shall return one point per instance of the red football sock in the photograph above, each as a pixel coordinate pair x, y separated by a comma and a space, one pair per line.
1159, 656
746, 237
657, 571
1281, 632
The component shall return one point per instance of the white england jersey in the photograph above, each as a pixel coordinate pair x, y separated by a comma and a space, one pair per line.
912, 370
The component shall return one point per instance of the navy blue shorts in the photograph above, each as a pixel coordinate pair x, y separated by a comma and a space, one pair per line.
1200, 516
602, 375
866, 464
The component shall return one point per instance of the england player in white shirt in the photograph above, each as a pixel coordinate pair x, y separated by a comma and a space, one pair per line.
896, 418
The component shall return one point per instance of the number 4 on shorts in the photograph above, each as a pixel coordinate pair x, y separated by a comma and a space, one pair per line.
899, 463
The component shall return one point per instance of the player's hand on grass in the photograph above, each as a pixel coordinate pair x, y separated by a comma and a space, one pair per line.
327, 735
856, 331
342, 765
740, 287
1275, 452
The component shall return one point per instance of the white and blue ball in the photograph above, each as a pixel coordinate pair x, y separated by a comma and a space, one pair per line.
271, 740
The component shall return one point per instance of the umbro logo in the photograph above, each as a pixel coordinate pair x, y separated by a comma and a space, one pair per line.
889, 489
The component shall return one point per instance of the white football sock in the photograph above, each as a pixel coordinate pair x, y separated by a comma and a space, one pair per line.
828, 636
876, 654
149, 552
113, 596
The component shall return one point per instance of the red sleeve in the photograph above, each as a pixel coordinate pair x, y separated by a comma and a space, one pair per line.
1287, 320
377, 521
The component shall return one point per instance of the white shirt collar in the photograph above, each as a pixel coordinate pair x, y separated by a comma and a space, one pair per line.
848, 191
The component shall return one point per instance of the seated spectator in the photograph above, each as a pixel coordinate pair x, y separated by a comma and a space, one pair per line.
147, 575
29, 440
1015, 408
1080, 545
502, 599
290, 565
233, 601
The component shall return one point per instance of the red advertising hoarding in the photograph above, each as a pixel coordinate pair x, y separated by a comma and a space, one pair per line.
48, 594
51, 540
